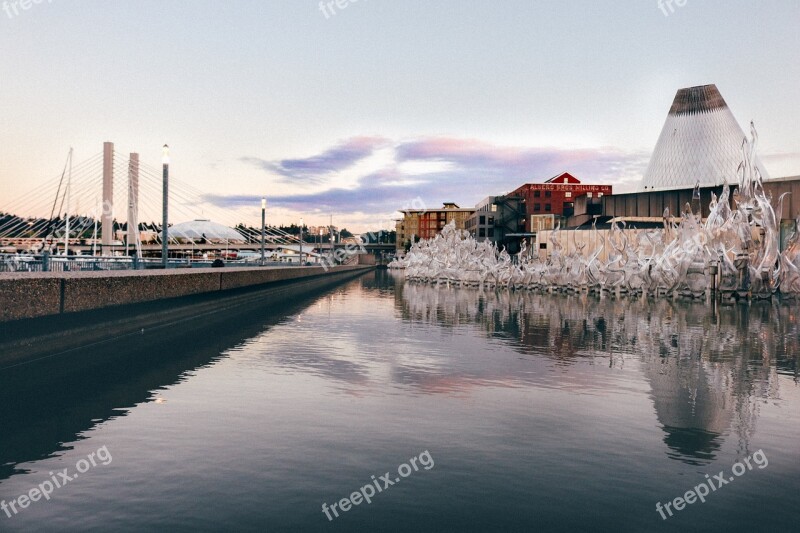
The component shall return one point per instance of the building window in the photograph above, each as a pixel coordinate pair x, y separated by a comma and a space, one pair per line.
543, 246
547, 207
482, 220
481, 232
491, 221
491, 232
568, 195
599, 195
537, 194
537, 207
548, 194
589, 194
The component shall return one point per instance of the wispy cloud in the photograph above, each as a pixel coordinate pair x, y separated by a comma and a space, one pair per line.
316, 168
530, 163
436, 170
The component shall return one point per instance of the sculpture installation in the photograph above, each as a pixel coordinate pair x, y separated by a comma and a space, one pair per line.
734, 252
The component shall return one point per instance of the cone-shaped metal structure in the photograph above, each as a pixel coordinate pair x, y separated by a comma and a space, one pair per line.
700, 142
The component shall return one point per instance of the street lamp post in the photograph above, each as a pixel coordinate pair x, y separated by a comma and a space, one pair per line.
263, 227
301, 242
331, 238
165, 209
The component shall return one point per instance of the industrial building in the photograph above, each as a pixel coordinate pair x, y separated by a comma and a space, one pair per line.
700, 143
534, 207
547, 203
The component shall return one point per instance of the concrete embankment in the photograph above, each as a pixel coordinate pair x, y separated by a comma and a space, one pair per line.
33, 295
207, 314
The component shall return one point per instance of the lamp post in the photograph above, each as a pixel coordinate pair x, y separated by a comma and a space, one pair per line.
263, 227
331, 238
301, 242
165, 208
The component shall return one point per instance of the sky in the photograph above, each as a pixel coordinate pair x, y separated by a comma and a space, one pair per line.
360, 110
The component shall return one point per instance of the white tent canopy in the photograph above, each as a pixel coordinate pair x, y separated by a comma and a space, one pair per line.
204, 229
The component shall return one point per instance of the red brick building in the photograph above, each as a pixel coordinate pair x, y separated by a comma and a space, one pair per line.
546, 202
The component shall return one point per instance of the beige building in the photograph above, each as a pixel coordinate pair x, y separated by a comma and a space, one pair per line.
427, 223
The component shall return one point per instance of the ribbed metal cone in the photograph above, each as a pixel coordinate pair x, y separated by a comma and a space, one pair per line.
700, 142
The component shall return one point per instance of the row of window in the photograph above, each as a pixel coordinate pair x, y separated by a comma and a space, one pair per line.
538, 207
482, 221
567, 194
483, 232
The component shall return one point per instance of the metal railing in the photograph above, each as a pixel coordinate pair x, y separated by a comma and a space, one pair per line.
60, 263
50, 263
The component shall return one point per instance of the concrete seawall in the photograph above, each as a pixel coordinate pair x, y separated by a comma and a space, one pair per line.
34, 295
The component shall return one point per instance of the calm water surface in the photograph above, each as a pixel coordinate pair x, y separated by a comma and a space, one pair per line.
539, 413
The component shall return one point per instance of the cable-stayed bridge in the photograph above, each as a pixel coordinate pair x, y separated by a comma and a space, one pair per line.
111, 204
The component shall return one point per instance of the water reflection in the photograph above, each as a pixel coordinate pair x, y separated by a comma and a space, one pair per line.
48, 404
707, 368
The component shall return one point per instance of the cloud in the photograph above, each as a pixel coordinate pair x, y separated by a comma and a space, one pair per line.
528, 163
437, 170
372, 194
316, 168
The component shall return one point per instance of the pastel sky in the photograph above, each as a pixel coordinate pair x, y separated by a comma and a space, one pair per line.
362, 110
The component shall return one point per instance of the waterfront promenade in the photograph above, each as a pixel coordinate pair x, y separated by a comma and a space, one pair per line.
87, 307
32, 295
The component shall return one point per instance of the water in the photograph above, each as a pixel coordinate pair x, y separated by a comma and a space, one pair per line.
538, 413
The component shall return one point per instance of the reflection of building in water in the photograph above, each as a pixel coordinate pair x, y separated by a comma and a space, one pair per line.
707, 368
711, 370
693, 404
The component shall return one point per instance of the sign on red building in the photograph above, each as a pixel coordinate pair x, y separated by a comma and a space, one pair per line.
556, 196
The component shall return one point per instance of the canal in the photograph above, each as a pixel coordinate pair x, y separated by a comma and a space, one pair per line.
376, 405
